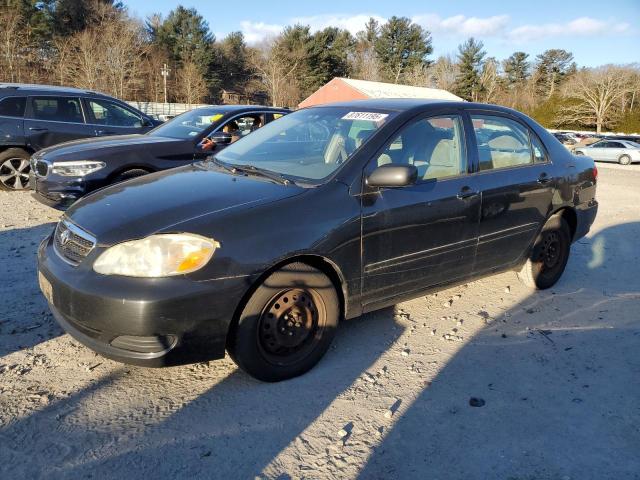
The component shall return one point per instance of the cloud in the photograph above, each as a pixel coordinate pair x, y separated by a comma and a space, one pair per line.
461, 25
256, 31
580, 27
497, 26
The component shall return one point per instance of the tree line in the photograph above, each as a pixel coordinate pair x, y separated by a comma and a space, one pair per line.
99, 45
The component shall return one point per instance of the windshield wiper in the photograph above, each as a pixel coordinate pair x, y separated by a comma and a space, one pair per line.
253, 170
218, 163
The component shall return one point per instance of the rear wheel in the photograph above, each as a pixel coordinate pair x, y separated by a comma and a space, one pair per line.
129, 174
624, 160
14, 169
549, 255
287, 325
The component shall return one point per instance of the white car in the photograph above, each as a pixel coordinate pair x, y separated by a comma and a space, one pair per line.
622, 151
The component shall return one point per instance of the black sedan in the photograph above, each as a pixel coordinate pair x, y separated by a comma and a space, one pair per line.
325, 214
64, 173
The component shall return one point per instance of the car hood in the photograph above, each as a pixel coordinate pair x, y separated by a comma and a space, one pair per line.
76, 148
157, 202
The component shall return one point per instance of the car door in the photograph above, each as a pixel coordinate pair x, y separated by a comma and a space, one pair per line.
516, 182
598, 151
424, 234
614, 150
109, 118
54, 119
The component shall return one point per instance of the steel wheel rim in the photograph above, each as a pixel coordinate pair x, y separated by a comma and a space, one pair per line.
551, 251
289, 326
14, 173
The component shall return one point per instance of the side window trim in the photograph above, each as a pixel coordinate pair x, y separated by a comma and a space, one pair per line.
464, 142
90, 115
525, 127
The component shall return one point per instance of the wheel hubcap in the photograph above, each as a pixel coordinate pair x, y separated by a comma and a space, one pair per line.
14, 173
288, 323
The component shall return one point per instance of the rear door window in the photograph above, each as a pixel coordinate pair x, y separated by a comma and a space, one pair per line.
12, 106
502, 142
57, 109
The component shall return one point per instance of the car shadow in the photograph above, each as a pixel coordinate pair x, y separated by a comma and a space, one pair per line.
25, 319
231, 430
549, 390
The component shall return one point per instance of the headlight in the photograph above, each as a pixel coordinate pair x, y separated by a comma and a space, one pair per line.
159, 255
78, 168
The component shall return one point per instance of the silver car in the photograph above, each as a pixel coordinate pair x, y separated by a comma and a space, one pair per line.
622, 151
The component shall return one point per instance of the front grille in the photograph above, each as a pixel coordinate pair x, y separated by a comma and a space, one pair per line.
72, 243
42, 168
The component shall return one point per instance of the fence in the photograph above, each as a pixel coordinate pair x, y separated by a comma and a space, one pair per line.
163, 111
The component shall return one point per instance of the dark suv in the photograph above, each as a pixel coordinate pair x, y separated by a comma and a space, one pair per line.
33, 117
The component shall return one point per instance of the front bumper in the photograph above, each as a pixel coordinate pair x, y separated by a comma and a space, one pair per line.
61, 192
148, 322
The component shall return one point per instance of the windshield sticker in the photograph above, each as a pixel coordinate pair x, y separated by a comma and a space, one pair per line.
217, 116
371, 116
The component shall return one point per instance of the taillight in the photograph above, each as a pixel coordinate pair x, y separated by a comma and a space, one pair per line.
595, 173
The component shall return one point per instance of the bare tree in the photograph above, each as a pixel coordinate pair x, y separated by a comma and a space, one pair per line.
593, 96
276, 68
11, 45
442, 73
489, 80
191, 84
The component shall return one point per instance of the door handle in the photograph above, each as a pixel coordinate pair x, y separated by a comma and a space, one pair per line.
38, 129
544, 178
466, 192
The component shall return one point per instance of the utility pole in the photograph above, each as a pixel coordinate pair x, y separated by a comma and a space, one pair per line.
165, 73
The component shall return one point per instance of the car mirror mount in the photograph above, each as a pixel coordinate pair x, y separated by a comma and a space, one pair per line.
393, 176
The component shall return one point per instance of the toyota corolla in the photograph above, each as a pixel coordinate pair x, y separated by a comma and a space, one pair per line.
330, 212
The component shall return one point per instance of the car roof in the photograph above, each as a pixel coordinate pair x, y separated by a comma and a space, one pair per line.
406, 104
240, 108
5, 87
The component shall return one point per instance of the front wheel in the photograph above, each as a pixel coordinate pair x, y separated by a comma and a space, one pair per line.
14, 169
129, 174
287, 325
549, 255
624, 160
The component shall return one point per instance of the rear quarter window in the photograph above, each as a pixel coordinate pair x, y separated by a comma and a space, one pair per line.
12, 106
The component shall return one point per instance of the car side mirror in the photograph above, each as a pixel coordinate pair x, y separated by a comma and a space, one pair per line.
146, 122
391, 175
221, 138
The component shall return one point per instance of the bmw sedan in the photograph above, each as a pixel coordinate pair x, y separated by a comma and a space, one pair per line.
332, 211
623, 152
62, 174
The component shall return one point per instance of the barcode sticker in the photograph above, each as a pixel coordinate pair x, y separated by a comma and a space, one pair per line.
371, 116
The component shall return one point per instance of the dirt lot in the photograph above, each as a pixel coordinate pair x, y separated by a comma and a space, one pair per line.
554, 378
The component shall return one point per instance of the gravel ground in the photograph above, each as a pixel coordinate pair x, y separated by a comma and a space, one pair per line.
486, 380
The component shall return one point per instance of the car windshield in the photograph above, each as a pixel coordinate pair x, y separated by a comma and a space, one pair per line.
633, 144
309, 144
190, 124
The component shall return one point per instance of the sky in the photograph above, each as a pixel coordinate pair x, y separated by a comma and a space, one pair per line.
596, 32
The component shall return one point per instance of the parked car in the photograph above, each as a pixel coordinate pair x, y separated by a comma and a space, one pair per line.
565, 139
64, 173
33, 117
622, 151
328, 213
630, 138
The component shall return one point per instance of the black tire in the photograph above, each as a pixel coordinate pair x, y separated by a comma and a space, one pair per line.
624, 160
549, 255
129, 174
14, 169
287, 325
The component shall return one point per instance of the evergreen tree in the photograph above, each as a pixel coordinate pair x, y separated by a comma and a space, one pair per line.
470, 58
516, 68
401, 46
553, 66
